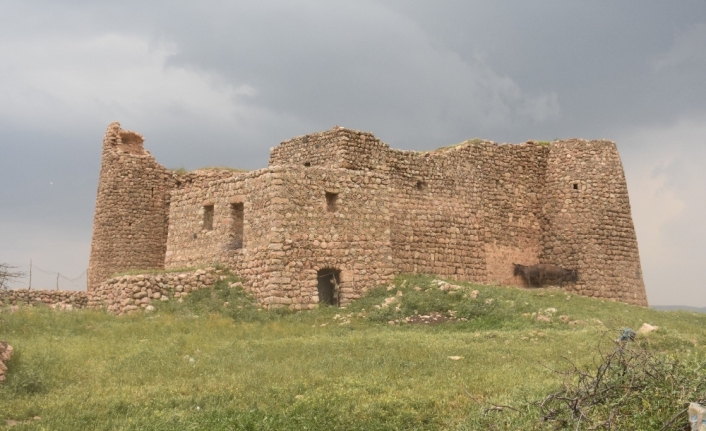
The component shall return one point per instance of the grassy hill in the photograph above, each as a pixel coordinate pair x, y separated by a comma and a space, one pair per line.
217, 362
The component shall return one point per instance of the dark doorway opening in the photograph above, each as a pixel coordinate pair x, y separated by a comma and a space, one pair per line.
329, 283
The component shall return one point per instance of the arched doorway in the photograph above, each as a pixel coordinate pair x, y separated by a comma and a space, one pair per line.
329, 283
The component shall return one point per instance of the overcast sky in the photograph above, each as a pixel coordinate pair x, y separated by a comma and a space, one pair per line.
219, 83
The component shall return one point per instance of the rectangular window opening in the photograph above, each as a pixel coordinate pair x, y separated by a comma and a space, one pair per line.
237, 213
208, 217
576, 186
331, 202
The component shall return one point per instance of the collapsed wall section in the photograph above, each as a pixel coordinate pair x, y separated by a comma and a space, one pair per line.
132, 207
588, 220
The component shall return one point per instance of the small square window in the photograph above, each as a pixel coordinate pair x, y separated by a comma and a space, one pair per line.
576, 186
331, 202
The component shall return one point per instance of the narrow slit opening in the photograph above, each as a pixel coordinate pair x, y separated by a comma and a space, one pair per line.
237, 213
208, 217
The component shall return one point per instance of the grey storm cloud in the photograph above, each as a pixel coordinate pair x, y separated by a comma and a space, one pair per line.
220, 82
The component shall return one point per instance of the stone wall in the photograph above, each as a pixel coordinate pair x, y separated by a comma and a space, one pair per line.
189, 242
321, 219
288, 230
127, 293
471, 210
588, 221
132, 208
337, 148
60, 298
320, 149
467, 211
121, 294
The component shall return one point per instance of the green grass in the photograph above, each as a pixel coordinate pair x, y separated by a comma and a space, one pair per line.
205, 364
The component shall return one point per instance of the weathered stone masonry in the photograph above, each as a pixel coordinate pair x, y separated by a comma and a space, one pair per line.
132, 208
342, 201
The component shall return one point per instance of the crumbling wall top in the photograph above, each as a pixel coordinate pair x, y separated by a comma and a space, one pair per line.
123, 140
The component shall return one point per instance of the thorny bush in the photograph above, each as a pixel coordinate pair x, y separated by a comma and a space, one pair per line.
631, 387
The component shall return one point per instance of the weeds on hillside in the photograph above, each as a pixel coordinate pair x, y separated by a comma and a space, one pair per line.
228, 298
215, 361
419, 295
631, 387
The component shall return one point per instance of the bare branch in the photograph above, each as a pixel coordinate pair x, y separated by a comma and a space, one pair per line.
8, 274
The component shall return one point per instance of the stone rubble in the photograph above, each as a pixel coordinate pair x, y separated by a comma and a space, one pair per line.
5, 356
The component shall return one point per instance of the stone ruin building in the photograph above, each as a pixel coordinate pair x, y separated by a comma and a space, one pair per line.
343, 205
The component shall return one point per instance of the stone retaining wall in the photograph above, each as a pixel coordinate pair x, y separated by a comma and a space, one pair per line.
120, 295
56, 298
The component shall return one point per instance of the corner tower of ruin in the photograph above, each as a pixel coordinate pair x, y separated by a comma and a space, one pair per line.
587, 220
132, 208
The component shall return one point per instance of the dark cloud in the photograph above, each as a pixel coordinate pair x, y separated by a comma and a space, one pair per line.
220, 82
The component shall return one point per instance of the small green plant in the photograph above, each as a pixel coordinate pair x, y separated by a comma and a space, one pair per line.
25, 378
227, 298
